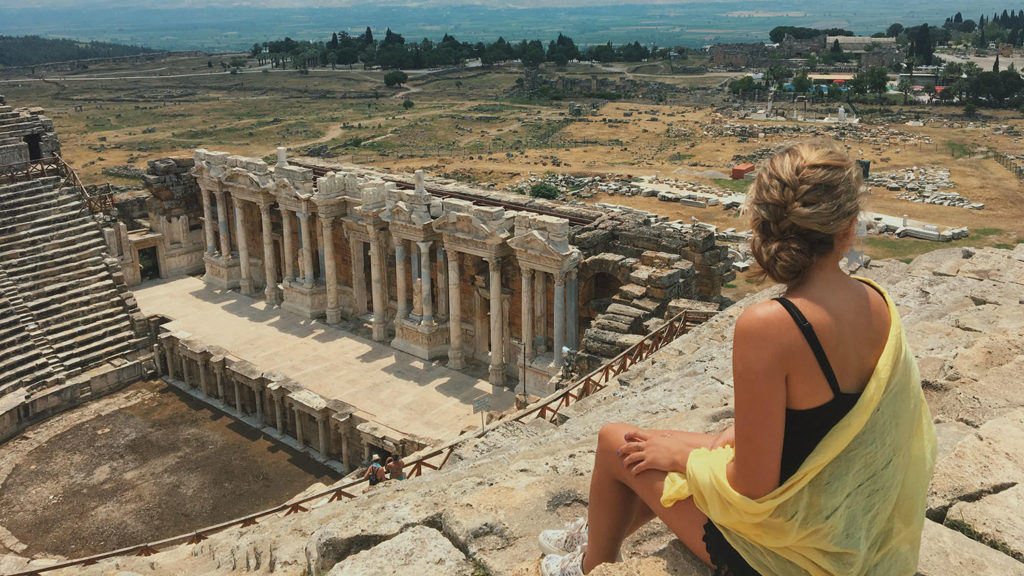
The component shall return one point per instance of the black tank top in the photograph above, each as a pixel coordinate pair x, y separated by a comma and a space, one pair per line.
804, 430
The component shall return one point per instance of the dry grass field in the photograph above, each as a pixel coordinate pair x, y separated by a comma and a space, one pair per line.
467, 124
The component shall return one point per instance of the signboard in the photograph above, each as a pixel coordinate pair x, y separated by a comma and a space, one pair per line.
482, 404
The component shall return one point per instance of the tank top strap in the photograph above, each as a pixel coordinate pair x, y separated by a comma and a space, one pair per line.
812, 341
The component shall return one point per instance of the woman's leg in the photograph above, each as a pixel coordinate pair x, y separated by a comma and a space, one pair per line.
620, 503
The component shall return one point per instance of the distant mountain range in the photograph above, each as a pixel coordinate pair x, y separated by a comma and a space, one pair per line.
218, 26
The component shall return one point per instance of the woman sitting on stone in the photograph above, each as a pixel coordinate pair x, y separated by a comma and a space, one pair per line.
827, 466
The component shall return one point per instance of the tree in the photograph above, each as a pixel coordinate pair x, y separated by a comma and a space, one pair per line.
906, 87
995, 65
875, 80
256, 50
745, 84
894, 30
407, 104
395, 78
801, 82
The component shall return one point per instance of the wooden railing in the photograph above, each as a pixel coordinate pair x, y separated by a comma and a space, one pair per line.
55, 166
547, 408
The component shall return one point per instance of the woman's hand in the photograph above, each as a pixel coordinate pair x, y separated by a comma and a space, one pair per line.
726, 438
647, 450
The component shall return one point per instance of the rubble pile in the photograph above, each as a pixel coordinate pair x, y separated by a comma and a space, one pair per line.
928, 185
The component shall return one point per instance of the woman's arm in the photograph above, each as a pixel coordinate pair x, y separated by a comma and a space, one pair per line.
759, 386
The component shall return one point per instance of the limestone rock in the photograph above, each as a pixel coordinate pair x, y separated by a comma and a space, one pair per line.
419, 550
994, 520
946, 552
983, 463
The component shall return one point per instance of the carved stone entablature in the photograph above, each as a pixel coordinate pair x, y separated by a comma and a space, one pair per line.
478, 230
542, 242
411, 213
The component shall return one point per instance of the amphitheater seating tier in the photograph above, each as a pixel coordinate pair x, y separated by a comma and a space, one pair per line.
63, 310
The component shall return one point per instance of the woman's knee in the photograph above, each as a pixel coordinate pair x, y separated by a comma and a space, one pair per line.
612, 435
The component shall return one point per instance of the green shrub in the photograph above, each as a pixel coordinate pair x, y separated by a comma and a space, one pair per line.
544, 190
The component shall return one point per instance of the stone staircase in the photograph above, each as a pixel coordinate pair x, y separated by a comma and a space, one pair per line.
72, 306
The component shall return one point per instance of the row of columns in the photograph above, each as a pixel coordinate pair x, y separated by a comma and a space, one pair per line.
170, 358
420, 270
534, 295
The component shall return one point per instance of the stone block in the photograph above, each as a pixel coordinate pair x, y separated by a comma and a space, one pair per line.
627, 311
946, 552
419, 550
631, 291
682, 304
665, 277
640, 275
610, 323
994, 519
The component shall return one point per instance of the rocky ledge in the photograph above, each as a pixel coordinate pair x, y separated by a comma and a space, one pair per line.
964, 314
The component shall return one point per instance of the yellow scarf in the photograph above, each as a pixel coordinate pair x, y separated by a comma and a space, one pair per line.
857, 503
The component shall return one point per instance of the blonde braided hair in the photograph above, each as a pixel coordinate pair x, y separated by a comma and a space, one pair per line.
801, 199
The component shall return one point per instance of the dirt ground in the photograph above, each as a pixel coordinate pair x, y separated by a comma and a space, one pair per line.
160, 467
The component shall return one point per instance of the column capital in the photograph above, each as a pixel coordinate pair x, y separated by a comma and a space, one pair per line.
560, 279
328, 222
571, 274
493, 260
424, 244
526, 273
264, 208
302, 214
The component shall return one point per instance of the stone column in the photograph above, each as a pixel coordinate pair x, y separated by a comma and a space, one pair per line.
243, 248
169, 351
330, 271
204, 383
572, 309
403, 296
211, 237
238, 400
442, 283
358, 280
455, 360
186, 375
298, 426
344, 452
321, 428
497, 368
377, 282
558, 338
428, 297
219, 375
307, 249
527, 312
540, 314
222, 224
272, 293
258, 394
278, 414
288, 247
158, 360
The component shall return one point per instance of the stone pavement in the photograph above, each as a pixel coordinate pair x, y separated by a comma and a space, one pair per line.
416, 397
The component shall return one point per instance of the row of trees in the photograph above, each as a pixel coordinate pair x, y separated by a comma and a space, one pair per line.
32, 50
393, 52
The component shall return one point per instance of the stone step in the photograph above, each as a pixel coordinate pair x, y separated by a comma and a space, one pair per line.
64, 310
19, 191
93, 354
43, 243
34, 285
52, 226
62, 210
61, 202
24, 375
42, 263
11, 338
18, 357
31, 195
90, 315
79, 336
43, 306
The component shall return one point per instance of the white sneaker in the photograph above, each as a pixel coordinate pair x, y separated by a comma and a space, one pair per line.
563, 542
570, 564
